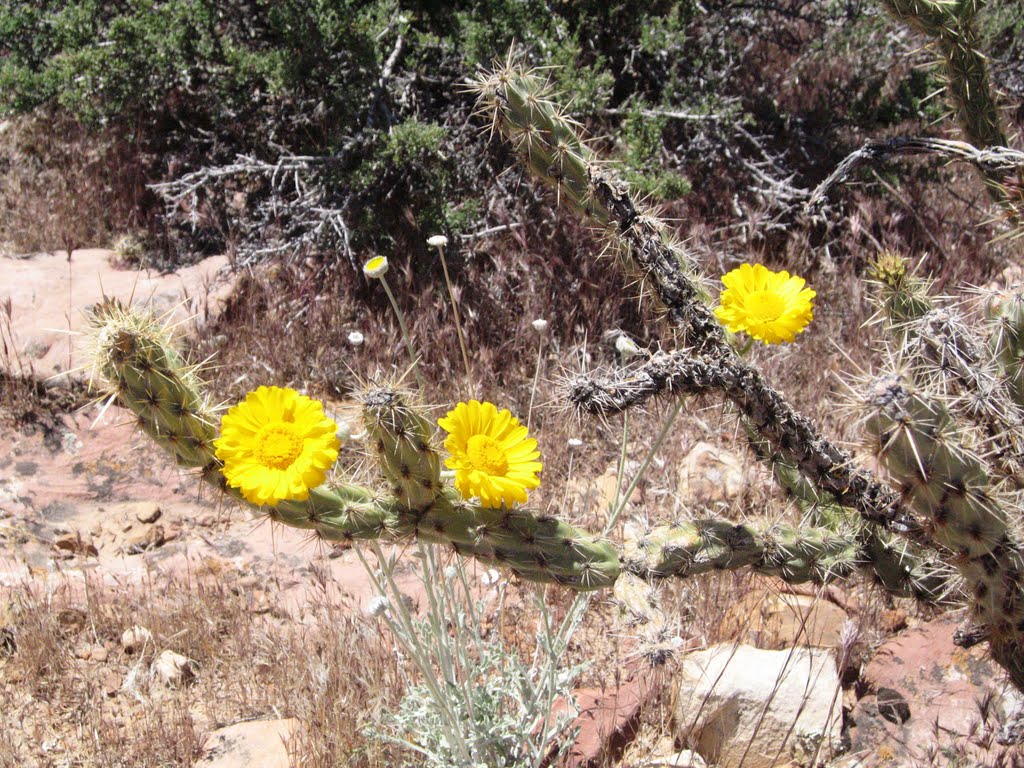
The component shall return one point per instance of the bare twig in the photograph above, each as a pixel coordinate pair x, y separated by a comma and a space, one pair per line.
997, 161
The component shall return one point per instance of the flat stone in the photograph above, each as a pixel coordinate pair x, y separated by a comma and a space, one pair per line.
708, 474
923, 700
252, 744
147, 512
136, 639
743, 706
607, 718
140, 540
76, 543
174, 670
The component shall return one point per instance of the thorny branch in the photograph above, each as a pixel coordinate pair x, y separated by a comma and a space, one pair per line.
681, 372
997, 161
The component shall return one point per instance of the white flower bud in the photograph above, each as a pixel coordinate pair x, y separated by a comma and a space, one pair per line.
356, 338
626, 346
575, 442
377, 606
437, 241
540, 325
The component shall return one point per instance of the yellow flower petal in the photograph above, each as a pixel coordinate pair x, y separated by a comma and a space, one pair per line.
491, 453
770, 306
275, 445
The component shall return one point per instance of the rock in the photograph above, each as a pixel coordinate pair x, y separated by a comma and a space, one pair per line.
76, 543
174, 670
775, 620
143, 539
710, 474
136, 639
147, 512
923, 700
72, 620
738, 705
682, 759
109, 682
252, 744
607, 718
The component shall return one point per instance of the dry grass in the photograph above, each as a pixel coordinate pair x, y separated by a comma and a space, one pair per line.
65, 707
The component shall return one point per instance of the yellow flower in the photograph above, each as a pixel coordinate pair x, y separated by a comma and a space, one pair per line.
376, 267
276, 444
770, 306
492, 457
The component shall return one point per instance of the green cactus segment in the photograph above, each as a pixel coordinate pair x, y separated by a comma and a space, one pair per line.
904, 570
795, 555
919, 442
403, 441
902, 295
338, 512
536, 548
952, 27
546, 138
136, 359
1006, 342
917, 439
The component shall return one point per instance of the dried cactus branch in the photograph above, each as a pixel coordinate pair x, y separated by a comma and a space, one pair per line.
996, 161
790, 434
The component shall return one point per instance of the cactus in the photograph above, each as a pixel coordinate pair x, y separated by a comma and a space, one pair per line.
919, 442
951, 26
539, 130
952, 504
1006, 342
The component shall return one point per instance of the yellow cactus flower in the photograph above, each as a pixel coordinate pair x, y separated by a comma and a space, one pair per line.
770, 306
276, 444
491, 454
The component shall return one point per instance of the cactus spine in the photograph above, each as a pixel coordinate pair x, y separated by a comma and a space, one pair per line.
919, 442
951, 26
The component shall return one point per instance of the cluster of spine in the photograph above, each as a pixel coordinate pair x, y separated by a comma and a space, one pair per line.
139, 365
902, 567
947, 426
921, 445
519, 105
951, 26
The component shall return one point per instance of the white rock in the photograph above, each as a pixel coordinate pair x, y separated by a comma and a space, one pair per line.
252, 744
741, 705
682, 759
135, 639
174, 670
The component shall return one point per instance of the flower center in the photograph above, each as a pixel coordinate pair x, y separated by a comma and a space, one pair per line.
279, 444
486, 454
765, 306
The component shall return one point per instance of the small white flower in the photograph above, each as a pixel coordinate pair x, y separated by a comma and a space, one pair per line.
376, 267
437, 241
626, 346
540, 325
575, 442
450, 573
491, 576
344, 430
356, 338
377, 606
